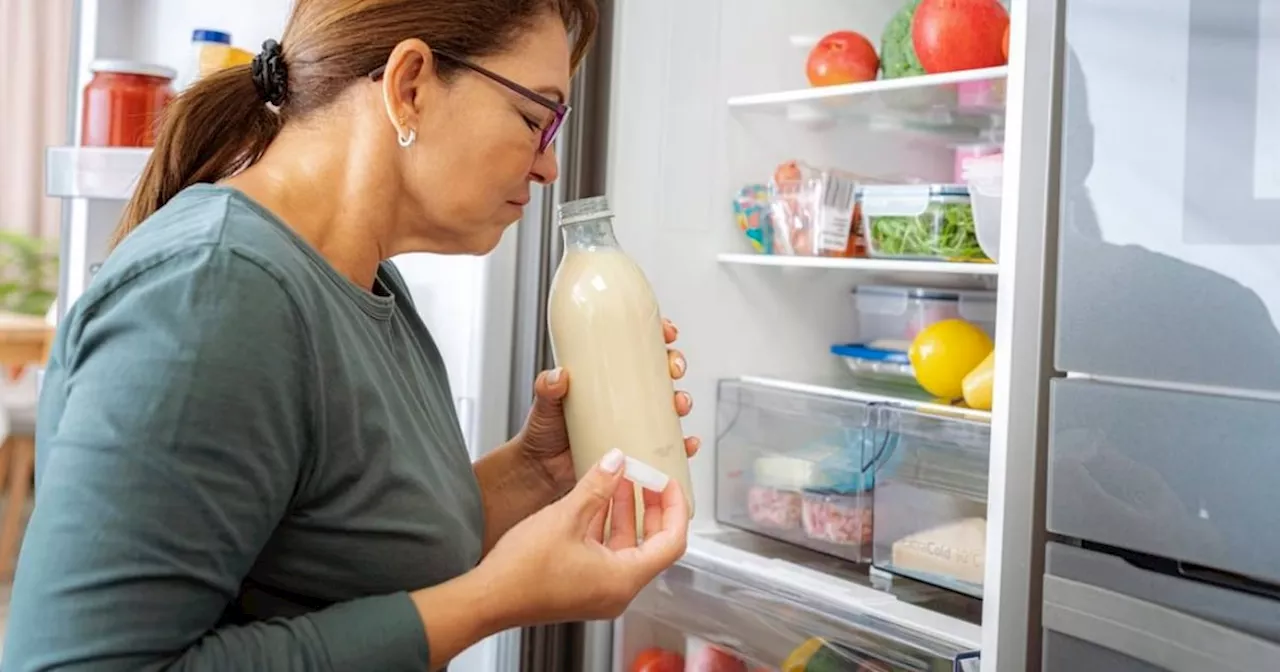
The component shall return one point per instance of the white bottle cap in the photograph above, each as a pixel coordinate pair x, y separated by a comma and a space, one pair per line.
645, 476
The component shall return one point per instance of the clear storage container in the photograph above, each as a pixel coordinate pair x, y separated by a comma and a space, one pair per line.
931, 498
796, 467
890, 317
890, 366
985, 176
920, 221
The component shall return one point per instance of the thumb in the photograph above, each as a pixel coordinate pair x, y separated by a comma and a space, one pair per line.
551, 386
594, 492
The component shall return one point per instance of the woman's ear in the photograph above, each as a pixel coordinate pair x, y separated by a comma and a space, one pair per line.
407, 83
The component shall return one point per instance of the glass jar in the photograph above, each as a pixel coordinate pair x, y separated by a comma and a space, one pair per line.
123, 102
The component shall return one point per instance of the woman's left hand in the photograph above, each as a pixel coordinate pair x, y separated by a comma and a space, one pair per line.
545, 439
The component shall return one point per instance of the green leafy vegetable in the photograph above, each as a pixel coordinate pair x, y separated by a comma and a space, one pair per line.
943, 230
897, 52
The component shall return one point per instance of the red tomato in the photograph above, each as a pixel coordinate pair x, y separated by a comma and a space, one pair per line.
952, 35
843, 57
711, 659
658, 660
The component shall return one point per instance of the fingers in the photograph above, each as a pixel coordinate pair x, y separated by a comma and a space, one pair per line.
684, 403
666, 530
552, 385
691, 445
669, 331
593, 493
676, 364
623, 532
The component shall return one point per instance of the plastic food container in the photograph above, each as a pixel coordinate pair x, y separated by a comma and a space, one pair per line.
867, 362
890, 317
985, 176
920, 222
123, 103
837, 518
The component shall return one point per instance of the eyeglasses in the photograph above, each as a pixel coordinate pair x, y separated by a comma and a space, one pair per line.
559, 110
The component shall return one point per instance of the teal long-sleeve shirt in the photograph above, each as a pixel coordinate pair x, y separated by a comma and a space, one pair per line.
244, 462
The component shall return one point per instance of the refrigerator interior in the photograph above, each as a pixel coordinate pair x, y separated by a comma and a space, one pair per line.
710, 96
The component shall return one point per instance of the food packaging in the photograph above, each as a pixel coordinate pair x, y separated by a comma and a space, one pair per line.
123, 102
815, 212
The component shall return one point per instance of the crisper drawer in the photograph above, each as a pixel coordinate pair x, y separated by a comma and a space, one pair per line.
931, 497
1104, 615
795, 466
1182, 476
777, 616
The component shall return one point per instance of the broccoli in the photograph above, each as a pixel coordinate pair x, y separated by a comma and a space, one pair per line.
897, 53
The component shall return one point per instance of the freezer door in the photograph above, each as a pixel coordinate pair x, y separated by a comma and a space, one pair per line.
1169, 266
1104, 615
1183, 476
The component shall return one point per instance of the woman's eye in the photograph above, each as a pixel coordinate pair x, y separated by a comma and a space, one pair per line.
532, 123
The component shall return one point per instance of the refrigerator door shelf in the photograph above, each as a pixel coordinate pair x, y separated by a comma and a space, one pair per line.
765, 607
106, 173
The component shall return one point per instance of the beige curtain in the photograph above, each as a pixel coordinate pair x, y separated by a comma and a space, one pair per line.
35, 48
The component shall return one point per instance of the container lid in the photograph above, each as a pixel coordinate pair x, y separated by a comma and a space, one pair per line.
889, 291
207, 35
584, 210
862, 351
124, 67
907, 200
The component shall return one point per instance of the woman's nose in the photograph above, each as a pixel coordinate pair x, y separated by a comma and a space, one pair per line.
546, 168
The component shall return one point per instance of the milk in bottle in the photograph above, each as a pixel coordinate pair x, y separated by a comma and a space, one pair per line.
606, 331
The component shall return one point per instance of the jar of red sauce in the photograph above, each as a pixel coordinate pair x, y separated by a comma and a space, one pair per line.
123, 103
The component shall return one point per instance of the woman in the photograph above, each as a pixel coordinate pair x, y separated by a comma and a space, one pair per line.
248, 455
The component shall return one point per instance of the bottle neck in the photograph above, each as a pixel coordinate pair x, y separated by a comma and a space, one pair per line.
589, 235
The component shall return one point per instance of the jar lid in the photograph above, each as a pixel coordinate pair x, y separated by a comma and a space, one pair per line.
124, 67
206, 35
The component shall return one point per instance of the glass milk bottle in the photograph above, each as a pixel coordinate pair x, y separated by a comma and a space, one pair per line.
606, 332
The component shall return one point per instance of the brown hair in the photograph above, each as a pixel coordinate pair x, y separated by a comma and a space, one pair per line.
221, 125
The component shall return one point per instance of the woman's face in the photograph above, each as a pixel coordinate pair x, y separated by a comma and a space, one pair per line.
469, 173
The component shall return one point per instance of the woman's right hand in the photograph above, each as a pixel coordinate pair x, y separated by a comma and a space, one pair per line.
557, 565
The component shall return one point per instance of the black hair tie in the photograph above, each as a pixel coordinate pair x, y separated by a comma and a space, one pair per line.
270, 76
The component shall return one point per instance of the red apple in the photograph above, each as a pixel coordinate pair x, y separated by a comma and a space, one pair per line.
843, 57
952, 35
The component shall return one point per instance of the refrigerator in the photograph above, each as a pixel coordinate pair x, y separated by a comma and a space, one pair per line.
1122, 470
1164, 420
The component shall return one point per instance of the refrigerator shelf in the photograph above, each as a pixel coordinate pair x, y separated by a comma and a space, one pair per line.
870, 392
957, 107
957, 275
763, 600
103, 173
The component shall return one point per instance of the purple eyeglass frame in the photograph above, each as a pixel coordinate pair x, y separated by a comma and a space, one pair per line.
560, 110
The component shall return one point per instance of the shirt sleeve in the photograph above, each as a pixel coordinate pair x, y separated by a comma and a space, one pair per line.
178, 434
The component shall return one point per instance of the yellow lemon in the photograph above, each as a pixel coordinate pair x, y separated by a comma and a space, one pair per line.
943, 353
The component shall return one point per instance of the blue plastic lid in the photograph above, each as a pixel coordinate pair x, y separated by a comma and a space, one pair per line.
860, 351
206, 35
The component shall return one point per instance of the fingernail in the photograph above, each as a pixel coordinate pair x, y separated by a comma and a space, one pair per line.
697, 443
687, 399
612, 461
680, 364
553, 376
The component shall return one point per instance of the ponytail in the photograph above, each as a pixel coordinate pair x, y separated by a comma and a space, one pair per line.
208, 133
